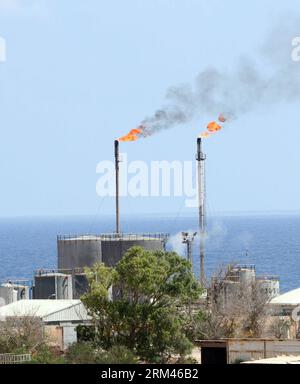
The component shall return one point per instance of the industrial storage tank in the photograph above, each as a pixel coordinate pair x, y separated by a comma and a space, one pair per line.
11, 292
86, 250
80, 285
269, 286
244, 274
52, 285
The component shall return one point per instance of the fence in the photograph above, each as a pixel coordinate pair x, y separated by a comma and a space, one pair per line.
10, 358
116, 236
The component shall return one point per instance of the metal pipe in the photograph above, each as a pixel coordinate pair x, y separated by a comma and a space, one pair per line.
117, 161
201, 199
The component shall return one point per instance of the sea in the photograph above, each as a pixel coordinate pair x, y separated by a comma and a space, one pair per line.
270, 242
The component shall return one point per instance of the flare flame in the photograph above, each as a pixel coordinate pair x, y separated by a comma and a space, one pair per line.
213, 127
133, 135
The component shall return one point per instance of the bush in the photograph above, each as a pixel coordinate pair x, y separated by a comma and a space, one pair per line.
81, 353
85, 353
117, 355
20, 335
85, 333
46, 355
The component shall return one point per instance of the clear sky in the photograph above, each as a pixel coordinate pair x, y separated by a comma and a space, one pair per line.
80, 73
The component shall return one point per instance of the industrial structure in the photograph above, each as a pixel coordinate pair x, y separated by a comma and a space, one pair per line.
188, 239
55, 285
117, 169
201, 157
52, 285
79, 251
12, 291
243, 276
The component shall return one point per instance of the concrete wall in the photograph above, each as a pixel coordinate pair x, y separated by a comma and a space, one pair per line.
239, 350
259, 349
69, 335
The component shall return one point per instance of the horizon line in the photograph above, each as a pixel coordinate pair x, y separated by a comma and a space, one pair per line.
294, 212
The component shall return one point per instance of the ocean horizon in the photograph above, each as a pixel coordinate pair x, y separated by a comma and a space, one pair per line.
271, 242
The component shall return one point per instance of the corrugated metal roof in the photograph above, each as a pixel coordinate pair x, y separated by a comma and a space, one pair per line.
289, 298
47, 310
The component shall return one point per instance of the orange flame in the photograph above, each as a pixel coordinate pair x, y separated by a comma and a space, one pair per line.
204, 135
133, 135
213, 126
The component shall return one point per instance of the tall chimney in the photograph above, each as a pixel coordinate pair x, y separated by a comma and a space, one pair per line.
117, 161
201, 199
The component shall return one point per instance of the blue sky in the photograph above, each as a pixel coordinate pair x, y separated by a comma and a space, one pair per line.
81, 73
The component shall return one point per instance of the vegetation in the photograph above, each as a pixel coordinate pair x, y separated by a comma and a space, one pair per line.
47, 355
152, 291
86, 353
149, 308
234, 309
20, 335
81, 353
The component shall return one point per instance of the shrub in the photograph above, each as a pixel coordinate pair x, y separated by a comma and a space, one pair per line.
46, 355
117, 355
81, 353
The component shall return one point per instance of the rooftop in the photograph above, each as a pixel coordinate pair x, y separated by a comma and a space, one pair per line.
115, 236
47, 310
289, 298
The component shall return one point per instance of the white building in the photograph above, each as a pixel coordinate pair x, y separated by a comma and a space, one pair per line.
287, 306
59, 317
288, 300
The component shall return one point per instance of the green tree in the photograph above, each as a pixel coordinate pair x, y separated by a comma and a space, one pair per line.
151, 291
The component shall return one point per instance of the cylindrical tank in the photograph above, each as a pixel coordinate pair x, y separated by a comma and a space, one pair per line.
269, 286
243, 274
9, 293
247, 276
80, 284
53, 286
78, 252
84, 251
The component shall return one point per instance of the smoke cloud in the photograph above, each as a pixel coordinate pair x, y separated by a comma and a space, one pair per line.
234, 92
